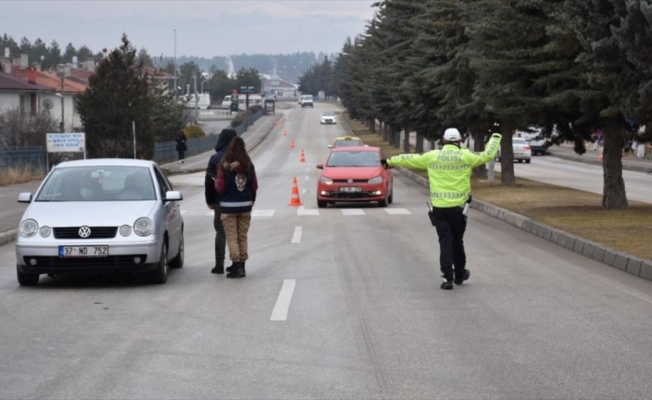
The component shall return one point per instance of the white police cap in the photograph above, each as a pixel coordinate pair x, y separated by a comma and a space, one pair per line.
452, 135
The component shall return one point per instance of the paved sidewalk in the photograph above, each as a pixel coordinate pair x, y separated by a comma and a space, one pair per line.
591, 156
255, 134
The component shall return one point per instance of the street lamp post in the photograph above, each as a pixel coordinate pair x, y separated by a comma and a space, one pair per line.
247, 90
63, 124
133, 130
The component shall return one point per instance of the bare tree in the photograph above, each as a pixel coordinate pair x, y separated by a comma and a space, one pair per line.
18, 129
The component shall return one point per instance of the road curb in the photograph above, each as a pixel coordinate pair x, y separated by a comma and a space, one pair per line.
199, 169
580, 159
623, 261
8, 236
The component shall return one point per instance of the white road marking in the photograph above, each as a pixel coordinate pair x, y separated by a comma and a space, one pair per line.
263, 213
282, 306
397, 211
353, 211
302, 212
307, 177
183, 212
308, 169
304, 191
210, 213
296, 237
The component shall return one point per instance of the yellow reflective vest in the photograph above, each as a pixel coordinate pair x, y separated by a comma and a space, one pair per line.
449, 170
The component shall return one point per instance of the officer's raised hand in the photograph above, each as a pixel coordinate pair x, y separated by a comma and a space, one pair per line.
383, 162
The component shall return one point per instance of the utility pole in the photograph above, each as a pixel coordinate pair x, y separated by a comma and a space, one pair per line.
63, 115
194, 78
175, 66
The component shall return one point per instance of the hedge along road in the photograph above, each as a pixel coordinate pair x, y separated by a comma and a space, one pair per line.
347, 306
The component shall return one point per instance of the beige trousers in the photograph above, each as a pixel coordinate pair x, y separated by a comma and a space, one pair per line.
236, 227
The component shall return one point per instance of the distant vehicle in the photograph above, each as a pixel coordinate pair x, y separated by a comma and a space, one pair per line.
328, 117
344, 141
307, 101
521, 149
355, 174
101, 216
254, 99
535, 140
204, 102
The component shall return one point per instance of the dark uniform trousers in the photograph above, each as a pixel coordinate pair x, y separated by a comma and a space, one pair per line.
220, 236
451, 225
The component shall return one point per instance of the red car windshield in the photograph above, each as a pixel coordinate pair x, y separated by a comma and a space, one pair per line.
345, 143
354, 159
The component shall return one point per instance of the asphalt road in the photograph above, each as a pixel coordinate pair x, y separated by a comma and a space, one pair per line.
338, 303
587, 177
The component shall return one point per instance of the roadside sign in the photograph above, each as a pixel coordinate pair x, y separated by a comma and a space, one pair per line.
66, 142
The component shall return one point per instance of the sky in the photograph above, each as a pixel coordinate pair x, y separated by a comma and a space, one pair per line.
203, 28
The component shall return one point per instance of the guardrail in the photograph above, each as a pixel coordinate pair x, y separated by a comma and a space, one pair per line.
32, 157
165, 152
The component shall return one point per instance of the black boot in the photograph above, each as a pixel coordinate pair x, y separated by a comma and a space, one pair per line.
231, 267
218, 269
448, 285
237, 271
465, 276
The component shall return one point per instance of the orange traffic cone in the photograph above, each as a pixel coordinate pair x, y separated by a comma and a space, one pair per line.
292, 143
601, 157
295, 200
303, 157
285, 132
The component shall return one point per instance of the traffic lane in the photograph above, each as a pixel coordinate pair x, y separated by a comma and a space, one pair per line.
586, 177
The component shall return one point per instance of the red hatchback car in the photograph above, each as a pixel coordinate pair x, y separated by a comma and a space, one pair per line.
353, 174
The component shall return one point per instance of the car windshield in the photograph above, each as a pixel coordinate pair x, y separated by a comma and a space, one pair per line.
328, 114
306, 97
518, 141
103, 183
353, 159
347, 142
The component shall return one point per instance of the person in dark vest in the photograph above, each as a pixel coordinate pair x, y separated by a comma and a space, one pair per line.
181, 144
212, 197
237, 185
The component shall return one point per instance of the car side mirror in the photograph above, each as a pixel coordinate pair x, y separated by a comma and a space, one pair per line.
25, 198
173, 195
330, 146
320, 166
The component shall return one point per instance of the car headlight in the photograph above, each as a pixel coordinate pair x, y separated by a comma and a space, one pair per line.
378, 179
28, 228
143, 227
45, 231
326, 181
125, 230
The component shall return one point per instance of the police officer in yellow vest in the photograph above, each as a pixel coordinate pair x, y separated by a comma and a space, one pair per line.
449, 173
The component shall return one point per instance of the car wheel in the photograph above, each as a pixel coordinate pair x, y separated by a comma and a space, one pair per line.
528, 161
177, 262
383, 203
26, 279
322, 204
160, 274
390, 199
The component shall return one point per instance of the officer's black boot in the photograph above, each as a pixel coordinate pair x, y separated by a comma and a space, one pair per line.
448, 285
237, 270
230, 267
466, 276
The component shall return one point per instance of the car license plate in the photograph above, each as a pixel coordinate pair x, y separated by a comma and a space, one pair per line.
83, 251
350, 189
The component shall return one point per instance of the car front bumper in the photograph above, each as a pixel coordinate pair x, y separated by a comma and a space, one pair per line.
375, 192
122, 258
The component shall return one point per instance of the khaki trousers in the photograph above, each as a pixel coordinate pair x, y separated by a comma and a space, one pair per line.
236, 227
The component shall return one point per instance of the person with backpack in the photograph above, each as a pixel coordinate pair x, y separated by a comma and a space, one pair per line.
237, 185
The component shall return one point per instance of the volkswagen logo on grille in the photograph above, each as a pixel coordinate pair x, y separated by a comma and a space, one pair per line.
84, 232
350, 181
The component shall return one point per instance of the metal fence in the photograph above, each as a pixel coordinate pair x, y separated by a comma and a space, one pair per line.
32, 157
165, 152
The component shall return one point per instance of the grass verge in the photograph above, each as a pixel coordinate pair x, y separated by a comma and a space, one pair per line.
571, 210
11, 176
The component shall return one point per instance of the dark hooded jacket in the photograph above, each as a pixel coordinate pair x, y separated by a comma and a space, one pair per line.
237, 187
225, 138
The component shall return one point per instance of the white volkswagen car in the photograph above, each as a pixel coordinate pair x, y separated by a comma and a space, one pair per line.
328, 117
101, 216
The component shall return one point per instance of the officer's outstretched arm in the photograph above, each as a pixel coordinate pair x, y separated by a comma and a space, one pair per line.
420, 161
489, 153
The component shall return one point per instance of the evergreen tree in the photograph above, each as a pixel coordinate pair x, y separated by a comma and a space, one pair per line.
70, 52
145, 58
118, 93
